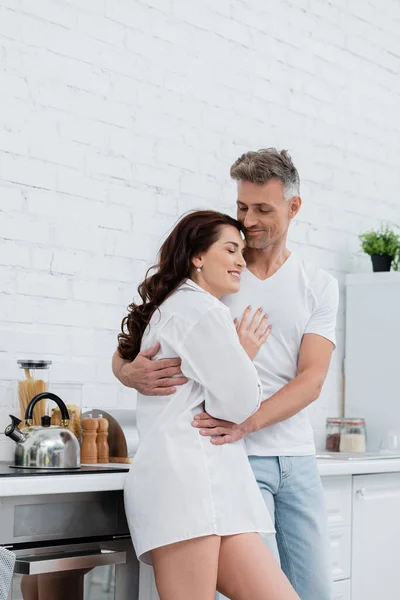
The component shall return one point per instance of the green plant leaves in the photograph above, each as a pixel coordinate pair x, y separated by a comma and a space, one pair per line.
382, 241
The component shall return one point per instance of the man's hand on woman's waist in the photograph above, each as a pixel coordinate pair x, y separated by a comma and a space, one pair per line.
225, 431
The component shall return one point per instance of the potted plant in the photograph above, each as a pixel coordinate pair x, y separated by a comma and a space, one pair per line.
383, 246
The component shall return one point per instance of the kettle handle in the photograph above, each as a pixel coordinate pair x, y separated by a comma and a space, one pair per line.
50, 396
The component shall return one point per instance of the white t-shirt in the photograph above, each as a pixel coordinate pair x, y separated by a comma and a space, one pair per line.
299, 298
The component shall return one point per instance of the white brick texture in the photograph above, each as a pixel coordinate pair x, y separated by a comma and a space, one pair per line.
116, 116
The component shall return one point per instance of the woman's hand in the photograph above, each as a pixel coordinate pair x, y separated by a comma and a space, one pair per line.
253, 333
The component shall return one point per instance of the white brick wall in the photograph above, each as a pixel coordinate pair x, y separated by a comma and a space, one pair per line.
116, 116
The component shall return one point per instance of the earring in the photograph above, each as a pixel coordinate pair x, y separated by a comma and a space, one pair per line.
198, 269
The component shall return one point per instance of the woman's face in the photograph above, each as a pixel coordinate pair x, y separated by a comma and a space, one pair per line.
221, 266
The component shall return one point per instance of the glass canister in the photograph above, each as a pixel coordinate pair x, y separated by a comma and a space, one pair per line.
332, 442
353, 435
71, 394
34, 380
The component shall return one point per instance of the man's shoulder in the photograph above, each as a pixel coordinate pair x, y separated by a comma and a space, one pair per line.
315, 277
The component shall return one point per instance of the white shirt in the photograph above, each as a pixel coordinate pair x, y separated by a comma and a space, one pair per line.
180, 485
299, 298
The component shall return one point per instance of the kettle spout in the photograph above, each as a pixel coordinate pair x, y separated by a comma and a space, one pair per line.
12, 430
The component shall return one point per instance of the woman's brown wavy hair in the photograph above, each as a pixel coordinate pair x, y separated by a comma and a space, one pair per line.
193, 235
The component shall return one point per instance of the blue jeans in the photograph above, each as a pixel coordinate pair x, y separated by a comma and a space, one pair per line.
293, 493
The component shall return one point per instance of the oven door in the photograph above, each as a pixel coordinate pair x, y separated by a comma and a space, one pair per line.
83, 571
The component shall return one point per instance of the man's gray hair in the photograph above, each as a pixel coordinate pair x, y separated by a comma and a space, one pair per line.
267, 164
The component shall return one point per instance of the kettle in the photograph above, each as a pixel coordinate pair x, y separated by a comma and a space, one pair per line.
44, 446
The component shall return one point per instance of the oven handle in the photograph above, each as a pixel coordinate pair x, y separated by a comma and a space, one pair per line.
67, 561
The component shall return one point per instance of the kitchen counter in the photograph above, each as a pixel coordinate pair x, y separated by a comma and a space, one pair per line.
98, 482
12, 484
60, 484
335, 466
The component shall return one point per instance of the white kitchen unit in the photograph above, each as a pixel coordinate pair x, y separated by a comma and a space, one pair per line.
372, 352
338, 491
375, 561
341, 590
363, 505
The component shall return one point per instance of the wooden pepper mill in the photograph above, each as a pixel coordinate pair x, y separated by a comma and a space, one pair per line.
103, 450
89, 440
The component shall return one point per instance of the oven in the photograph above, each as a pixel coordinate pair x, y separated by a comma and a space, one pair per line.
69, 547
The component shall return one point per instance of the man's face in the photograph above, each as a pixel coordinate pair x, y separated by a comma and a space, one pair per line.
264, 212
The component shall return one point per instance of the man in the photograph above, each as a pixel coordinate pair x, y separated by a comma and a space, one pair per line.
301, 301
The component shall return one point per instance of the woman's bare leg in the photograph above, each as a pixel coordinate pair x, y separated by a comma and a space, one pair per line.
247, 569
187, 569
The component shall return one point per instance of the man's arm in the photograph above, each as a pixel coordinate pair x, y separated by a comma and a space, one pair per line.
313, 364
149, 377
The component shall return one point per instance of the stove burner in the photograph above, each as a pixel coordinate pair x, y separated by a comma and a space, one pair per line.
8, 470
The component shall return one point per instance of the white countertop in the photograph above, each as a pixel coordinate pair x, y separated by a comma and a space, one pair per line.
331, 466
67, 484
61, 484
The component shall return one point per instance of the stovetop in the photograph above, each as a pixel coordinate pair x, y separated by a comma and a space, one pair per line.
7, 471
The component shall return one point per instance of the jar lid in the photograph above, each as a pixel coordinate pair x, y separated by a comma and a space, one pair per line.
354, 420
34, 364
334, 420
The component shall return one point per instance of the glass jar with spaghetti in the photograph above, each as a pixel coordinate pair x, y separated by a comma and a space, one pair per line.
34, 380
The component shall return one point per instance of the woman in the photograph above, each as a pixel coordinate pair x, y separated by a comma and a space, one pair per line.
194, 509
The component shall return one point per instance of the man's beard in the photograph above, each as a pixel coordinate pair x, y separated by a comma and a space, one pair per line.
259, 244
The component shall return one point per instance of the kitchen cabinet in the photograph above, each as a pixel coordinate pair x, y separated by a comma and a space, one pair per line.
364, 529
375, 537
340, 547
338, 506
338, 491
341, 590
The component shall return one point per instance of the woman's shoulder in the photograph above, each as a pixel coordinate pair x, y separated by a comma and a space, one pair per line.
190, 302
186, 310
